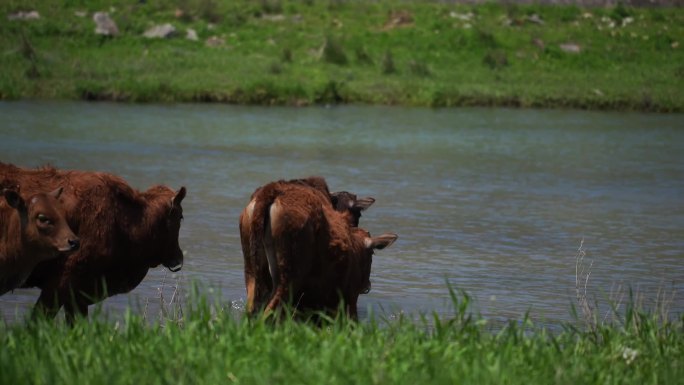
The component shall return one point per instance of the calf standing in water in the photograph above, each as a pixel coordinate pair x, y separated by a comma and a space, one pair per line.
315, 258
30, 232
257, 272
124, 232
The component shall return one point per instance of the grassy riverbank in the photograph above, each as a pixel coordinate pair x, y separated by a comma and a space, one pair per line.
211, 348
325, 51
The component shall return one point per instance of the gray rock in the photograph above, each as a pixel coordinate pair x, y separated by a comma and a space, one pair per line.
539, 43
571, 48
191, 34
104, 25
273, 17
30, 15
215, 41
535, 19
462, 16
163, 31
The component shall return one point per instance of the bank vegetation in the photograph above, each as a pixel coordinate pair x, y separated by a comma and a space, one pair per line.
303, 52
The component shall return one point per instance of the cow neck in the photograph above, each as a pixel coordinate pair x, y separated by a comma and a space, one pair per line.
155, 212
147, 226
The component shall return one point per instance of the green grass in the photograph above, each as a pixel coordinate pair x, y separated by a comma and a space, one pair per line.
320, 51
213, 346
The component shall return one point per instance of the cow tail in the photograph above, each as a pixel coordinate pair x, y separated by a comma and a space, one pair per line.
263, 199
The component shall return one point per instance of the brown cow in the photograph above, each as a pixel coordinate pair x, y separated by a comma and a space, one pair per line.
124, 233
30, 233
257, 266
343, 201
315, 258
351, 206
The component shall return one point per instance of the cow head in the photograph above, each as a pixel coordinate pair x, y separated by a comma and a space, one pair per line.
369, 245
172, 255
347, 203
44, 227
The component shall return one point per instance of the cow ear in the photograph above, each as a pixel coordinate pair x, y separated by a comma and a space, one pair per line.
380, 242
180, 194
12, 197
57, 192
363, 203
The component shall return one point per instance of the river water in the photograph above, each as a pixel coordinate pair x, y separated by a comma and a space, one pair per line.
495, 202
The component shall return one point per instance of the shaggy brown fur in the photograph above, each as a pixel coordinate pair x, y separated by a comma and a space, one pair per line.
123, 234
257, 276
31, 231
351, 206
312, 254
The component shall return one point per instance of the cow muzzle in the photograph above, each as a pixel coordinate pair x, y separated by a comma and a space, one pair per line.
72, 245
176, 264
176, 267
366, 289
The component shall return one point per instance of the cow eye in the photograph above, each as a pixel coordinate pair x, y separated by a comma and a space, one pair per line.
43, 219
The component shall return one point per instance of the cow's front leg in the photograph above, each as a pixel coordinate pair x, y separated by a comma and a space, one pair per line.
48, 304
76, 307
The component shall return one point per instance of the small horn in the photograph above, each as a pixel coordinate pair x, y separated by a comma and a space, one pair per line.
180, 194
57, 193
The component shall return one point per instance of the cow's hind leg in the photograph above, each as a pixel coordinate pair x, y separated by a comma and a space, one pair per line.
279, 266
250, 284
249, 264
263, 289
280, 290
289, 282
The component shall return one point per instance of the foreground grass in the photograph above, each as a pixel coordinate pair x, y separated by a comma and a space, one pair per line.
217, 348
327, 51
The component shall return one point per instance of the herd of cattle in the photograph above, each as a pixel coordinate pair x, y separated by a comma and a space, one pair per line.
83, 236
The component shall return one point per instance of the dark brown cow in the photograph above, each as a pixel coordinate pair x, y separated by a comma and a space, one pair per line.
31, 231
315, 258
256, 267
351, 206
124, 233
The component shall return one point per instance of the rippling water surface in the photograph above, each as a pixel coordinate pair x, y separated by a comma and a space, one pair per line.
493, 201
